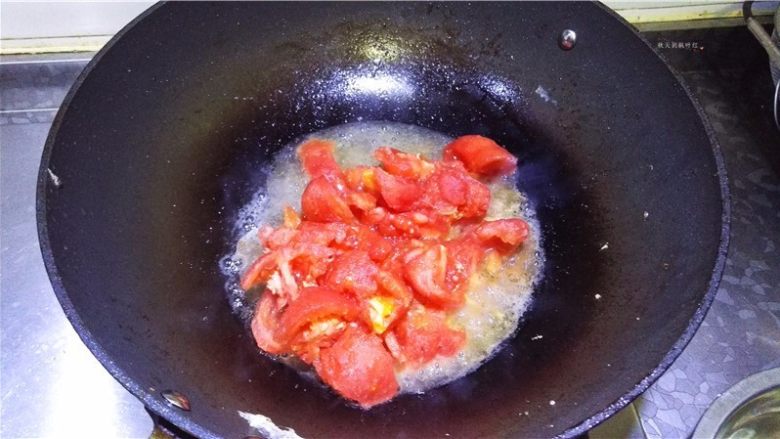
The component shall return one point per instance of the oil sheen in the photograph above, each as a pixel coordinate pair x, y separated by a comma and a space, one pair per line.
497, 296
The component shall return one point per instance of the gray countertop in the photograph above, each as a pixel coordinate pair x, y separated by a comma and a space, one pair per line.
53, 387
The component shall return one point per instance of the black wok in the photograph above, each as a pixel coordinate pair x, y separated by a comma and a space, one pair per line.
160, 141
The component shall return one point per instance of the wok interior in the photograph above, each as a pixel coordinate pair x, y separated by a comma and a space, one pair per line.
161, 146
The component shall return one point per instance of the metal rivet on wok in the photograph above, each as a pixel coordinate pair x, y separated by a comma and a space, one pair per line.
568, 39
176, 399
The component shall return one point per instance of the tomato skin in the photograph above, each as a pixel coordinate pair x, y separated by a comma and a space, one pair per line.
481, 156
316, 157
265, 323
314, 304
398, 193
322, 201
422, 335
426, 269
359, 368
403, 164
503, 234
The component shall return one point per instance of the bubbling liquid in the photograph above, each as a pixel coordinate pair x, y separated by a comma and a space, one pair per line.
496, 298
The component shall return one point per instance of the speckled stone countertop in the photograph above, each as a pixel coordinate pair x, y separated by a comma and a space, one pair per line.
68, 394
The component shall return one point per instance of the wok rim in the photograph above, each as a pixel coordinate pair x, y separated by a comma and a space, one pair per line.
156, 403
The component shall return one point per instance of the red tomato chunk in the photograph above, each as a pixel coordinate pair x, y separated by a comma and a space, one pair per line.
359, 367
481, 156
363, 282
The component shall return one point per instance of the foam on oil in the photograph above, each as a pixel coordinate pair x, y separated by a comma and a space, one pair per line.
496, 300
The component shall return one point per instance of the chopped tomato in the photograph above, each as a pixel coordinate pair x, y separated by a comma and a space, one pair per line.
362, 178
379, 251
291, 218
481, 156
359, 367
260, 270
320, 335
478, 200
431, 225
394, 286
322, 201
403, 164
360, 237
264, 324
263, 233
380, 312
375, 216
279, 238
394, 263
422, 335
504, 234
315, 304
387, 307
422, 223
452, 187
426, 269
353, 272
455, 187
316, 156
361, 201
399, 193
309, 261
320, 233
463, 258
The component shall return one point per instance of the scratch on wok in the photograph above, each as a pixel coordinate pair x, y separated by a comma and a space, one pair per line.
267, 428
